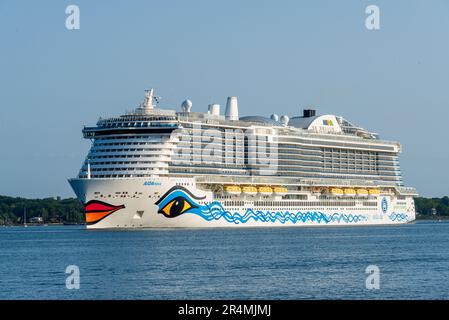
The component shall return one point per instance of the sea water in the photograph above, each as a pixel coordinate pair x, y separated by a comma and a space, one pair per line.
264, 263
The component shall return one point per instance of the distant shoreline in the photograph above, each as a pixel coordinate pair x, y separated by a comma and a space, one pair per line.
426, 217
58, 224
418, 218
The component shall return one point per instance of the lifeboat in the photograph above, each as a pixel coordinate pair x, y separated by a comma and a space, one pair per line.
250, 190
265, 190
336, 191
280, 190
349, 192
362, 192
316, 189
233, 189
374, 192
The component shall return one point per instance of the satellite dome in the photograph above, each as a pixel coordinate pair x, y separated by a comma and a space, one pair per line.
186, 105
285, 119
274, 117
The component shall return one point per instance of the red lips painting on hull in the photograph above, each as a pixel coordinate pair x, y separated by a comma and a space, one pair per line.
97, 210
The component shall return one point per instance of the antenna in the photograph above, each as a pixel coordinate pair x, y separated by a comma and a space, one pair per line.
149, 101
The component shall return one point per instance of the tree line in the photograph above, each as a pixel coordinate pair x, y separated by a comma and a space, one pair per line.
427, 207
52, 210
57, 210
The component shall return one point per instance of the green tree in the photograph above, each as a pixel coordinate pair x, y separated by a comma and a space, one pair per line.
44, 214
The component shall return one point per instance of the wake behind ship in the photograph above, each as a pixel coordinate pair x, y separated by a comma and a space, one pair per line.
156, 167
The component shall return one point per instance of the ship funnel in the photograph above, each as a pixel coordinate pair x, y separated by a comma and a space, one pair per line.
308, 113
232, 109
214, 109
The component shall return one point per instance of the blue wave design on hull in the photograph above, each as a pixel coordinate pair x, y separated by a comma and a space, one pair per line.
398, 217
215, 211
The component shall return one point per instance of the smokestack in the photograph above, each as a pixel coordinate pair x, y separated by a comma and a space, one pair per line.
307, 113
214, 109
232, 109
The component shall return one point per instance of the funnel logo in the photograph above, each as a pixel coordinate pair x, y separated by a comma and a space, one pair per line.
384, 205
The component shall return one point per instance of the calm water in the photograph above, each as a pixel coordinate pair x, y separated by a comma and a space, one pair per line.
277, 263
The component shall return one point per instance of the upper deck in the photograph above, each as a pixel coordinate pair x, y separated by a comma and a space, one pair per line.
310, 148
330, 130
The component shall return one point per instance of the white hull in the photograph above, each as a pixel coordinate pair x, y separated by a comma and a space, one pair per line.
178, 203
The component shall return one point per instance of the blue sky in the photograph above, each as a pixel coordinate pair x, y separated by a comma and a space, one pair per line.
276, 56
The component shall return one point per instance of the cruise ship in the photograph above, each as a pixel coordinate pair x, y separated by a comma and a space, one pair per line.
163, 168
